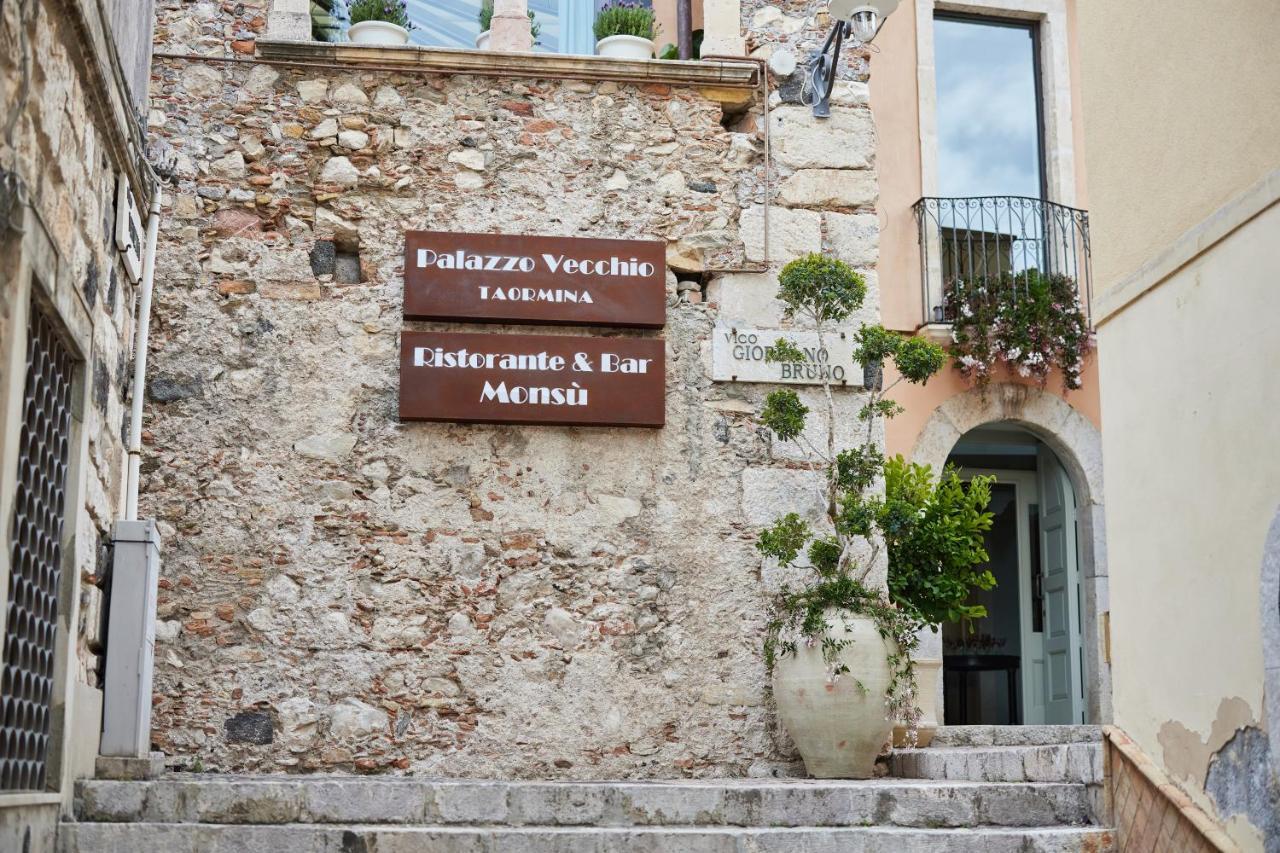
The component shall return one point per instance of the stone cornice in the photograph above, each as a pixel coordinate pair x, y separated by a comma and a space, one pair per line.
551, 66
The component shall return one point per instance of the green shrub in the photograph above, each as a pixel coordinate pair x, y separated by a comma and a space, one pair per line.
626, 19
934, 532
826, 292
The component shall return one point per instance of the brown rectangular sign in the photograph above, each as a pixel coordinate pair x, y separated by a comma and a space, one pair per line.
496, 278
532, 379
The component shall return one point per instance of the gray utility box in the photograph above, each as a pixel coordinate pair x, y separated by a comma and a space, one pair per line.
131, 640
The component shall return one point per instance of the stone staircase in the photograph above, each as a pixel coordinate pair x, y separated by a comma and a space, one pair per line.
975, 790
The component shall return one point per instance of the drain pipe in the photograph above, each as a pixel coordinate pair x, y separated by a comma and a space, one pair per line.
140, 361
135, 579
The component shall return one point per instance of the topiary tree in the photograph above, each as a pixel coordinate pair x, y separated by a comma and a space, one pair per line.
844, 549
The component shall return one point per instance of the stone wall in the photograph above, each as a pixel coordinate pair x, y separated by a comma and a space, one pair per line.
345, 592
59, 157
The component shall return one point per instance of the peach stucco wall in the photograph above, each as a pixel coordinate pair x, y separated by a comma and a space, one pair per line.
895, 104
920, 402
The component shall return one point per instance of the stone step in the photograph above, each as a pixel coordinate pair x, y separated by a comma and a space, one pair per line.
1079, 763
738, 802
313, 838
1015, 735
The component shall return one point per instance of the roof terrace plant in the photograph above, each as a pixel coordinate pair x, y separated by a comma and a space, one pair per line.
625, 18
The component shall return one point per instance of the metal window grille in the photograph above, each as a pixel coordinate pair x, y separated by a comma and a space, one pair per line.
26, 683
1002, 242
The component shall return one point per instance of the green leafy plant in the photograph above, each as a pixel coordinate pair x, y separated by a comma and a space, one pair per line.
626, 19
1030, 320
934, 530
486, 20
390, 11
825, 292
671, 51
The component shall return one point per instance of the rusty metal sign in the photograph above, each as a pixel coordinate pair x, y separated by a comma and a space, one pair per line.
532, 379
500, 278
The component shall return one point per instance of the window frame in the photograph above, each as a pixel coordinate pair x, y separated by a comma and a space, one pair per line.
1033, 27
1053, 77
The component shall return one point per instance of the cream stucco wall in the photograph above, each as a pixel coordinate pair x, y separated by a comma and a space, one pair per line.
1179, 114
1193, 480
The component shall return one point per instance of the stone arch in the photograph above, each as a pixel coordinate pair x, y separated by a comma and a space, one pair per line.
1271, 637
1078, 445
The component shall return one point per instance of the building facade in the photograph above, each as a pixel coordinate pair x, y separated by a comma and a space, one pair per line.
1184, 270
348, 589
73, 83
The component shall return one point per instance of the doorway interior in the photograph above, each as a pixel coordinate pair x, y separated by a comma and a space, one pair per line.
1023, 663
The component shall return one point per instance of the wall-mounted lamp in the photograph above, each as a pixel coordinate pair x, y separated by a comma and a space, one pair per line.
857, 19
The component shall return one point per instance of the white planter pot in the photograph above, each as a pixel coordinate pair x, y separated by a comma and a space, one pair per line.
838, 728
928, 671
482, 40
377, 32
625, 47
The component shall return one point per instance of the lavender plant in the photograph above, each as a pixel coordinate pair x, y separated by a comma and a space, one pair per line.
626, 18
390, 11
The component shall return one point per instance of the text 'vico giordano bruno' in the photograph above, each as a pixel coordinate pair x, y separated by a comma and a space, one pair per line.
571, 395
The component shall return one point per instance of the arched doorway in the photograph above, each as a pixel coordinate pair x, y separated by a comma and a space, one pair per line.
1055, 543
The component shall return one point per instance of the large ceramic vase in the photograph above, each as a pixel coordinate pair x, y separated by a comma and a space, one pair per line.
378, 32
927, 672
838, 727
625, 47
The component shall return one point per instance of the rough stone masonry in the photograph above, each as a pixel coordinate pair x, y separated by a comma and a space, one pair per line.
345, 592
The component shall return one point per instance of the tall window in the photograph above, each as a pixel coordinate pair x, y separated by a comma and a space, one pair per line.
564, 26
989, 138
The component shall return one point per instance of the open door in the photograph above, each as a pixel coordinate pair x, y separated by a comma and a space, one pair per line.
1063, 700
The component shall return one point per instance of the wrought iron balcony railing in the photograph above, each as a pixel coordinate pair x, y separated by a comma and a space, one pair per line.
1010, 239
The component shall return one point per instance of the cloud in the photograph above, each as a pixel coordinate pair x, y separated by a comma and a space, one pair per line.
988, 133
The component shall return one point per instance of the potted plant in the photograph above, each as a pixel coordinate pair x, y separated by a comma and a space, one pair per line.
486, 21
933, 530
378, 22
625, 30
838, 648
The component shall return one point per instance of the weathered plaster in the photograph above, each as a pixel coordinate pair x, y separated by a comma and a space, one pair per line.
1186, 753
1246, 790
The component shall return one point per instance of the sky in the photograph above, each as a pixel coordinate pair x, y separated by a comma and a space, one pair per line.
988, 137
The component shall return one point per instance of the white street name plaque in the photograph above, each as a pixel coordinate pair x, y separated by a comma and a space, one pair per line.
738, 355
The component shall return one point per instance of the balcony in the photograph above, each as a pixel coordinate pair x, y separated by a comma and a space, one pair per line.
998, 248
